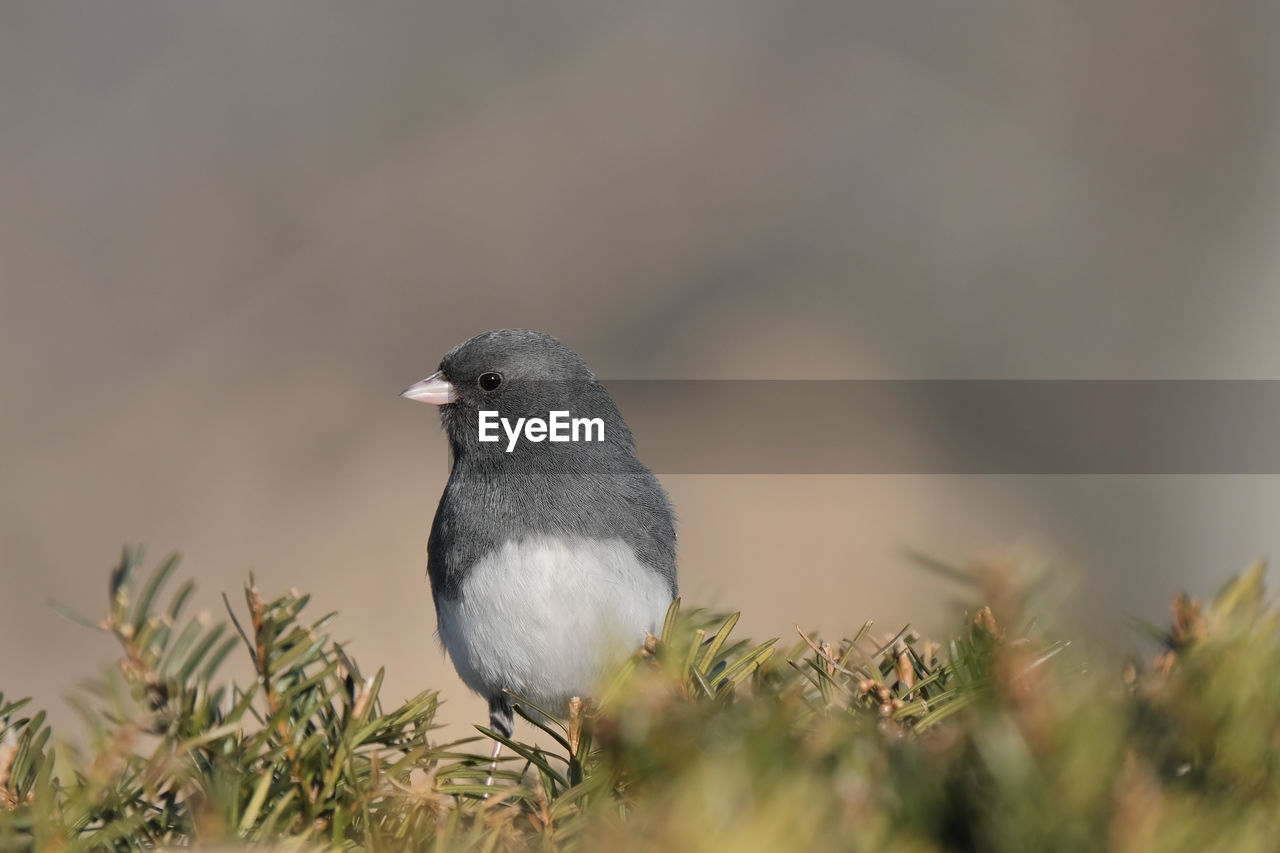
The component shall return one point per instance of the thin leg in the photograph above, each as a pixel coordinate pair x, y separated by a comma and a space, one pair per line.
503, 721
493, 762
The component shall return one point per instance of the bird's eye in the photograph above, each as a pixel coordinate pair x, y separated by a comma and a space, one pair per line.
489, 381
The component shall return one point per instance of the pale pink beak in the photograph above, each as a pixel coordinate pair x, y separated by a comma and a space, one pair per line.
435, 389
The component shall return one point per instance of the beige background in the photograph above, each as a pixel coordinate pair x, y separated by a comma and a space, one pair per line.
231, 232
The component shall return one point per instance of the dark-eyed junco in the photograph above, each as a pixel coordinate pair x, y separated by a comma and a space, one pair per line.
553, 547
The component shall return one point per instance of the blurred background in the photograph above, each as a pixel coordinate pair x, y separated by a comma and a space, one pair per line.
232, 232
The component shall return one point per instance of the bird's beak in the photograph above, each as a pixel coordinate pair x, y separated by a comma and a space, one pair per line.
434, 389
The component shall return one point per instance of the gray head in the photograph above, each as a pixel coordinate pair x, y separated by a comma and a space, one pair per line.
519, 374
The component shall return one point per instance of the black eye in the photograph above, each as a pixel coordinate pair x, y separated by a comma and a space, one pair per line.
489, 381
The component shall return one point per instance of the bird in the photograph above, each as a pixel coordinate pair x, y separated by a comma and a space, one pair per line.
548, 559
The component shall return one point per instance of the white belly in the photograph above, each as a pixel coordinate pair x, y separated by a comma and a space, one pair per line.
543, 617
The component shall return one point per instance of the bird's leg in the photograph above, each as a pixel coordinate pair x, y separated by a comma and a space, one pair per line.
493, 762
502, 720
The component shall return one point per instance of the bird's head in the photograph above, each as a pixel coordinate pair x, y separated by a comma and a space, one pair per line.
518, 374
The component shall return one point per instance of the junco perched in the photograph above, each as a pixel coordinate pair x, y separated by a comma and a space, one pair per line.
553, 547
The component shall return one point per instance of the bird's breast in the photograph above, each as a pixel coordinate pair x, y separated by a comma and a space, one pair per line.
542, 616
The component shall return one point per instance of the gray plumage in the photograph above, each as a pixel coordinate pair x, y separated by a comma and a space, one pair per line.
536, 554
